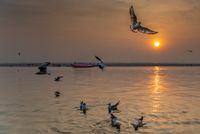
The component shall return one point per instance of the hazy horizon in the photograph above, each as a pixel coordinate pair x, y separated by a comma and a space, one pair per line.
68, 31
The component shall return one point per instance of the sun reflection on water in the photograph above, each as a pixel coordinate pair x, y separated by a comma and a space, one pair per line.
156, 80
156, 91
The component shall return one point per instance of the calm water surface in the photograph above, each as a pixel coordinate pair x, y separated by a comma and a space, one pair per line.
167, 97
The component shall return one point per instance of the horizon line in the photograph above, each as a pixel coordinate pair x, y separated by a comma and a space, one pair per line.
114, 64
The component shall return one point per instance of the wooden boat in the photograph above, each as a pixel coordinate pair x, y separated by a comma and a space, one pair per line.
100, 64
83, 65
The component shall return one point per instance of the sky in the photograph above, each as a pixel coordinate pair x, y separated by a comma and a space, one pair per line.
76, 30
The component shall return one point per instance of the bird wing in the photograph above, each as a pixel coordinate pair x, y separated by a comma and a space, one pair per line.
116, 104
44, 65
99, 59
132, 15
146, 30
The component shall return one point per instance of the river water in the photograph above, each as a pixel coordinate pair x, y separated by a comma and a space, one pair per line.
167, 97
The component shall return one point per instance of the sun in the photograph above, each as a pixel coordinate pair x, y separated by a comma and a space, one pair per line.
156, 44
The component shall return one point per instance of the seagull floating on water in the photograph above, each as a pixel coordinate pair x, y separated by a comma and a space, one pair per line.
58, 78
83, 107
115, 122
57, 94
136, 26
112, 107
43, 69
138, 123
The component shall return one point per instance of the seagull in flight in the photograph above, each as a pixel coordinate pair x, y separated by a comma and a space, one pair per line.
136, 26
112, 107
43, 69
101, 64
190, 51
58, 78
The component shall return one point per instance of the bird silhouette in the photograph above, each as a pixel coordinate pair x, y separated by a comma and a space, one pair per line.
58, 78
136, 26
112, 107
101, 64
43, 69
138, 123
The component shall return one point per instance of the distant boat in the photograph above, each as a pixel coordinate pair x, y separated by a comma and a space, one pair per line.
83, 65
100, 64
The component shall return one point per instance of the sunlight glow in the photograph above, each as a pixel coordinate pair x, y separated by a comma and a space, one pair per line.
157, 80
156, 44
156, 91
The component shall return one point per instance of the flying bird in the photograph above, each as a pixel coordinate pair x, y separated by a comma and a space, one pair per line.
43, 69
58, 78
112, 107
136, 26
101, 64
98, 58
190, 51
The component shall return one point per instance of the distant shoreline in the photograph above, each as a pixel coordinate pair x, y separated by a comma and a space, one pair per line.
107, 64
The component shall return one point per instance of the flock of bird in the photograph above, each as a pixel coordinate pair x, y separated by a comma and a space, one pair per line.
115, 122
135, 27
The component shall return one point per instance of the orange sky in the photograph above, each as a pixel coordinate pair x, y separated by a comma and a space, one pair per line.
75, 30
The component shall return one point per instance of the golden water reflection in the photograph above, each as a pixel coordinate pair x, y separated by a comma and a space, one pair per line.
156, 80
156, 90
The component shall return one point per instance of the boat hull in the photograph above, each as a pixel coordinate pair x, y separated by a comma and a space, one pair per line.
83, 65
